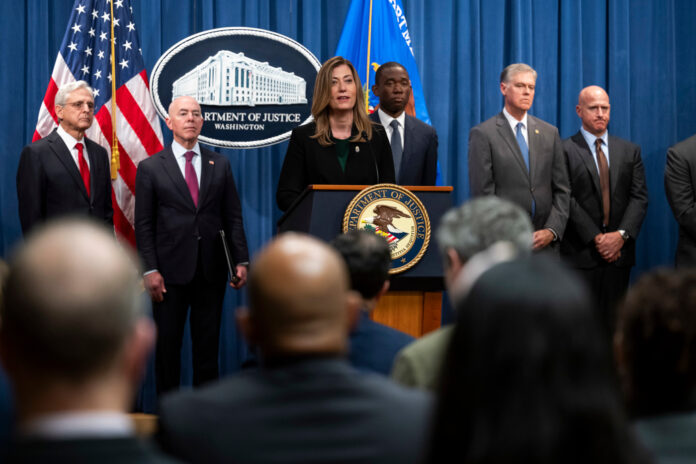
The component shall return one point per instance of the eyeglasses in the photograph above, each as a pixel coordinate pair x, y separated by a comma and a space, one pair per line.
78, 105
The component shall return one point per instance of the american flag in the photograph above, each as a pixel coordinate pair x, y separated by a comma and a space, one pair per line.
85, 54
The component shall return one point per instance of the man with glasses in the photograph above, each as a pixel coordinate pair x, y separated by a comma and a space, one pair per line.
65, 173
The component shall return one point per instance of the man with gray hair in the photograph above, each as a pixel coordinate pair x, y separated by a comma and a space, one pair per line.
518, 157
65, 173
464, 234
74, 341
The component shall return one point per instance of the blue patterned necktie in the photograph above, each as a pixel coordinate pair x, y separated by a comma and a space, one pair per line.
523, 144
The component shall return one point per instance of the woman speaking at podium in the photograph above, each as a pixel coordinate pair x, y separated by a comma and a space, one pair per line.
341, 145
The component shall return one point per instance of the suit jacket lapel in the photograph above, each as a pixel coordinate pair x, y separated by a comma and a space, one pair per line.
589, 161
207, 173
63, 154
174, 172
615, 158
94, 165
407, 152
506, 133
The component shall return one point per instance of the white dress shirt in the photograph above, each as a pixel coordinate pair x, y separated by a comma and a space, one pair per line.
513, 124
386, 120
590, 139
179, 152
70, 142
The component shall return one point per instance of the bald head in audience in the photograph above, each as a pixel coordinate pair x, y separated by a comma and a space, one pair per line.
72, 333
300, 302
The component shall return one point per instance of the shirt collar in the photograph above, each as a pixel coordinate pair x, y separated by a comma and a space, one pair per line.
69, 424
513, 122
590, 138
386, 120
179, 150
69, 140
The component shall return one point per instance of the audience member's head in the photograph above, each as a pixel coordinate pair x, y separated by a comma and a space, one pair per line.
300, 303
528, 375
476, 225
72, 333
368, 259
655, 343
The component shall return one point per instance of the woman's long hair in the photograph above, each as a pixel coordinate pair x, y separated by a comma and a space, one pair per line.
322, 97
528, 375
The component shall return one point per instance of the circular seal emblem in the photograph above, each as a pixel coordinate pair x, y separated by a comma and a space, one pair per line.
254, 86
396, 214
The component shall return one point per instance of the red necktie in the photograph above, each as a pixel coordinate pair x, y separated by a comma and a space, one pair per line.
84, 169
191, 177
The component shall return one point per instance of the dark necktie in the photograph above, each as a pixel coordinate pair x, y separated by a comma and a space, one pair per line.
191, 177
603, 180
84, 169
523, 144
396, 147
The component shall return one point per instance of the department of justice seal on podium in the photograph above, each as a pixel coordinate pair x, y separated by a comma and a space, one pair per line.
396, 214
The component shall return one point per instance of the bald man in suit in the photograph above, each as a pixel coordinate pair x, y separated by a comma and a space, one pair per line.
518, 157
185, 195
608, 202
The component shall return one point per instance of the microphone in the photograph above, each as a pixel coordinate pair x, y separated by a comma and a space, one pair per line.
369, 148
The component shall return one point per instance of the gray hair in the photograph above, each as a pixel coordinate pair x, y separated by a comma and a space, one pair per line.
71, 301
67, 89
516, 68
479, 223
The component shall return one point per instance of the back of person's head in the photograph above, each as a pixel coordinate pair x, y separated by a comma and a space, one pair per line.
71, 300
479, 223
368, 259
528, 375
656, 343
299, 299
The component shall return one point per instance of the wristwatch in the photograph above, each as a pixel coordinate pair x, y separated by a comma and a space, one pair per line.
624, 234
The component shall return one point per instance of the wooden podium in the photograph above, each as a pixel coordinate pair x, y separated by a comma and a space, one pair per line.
414, 301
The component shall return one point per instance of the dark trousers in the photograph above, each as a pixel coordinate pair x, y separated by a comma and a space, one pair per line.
205, 300
608, 284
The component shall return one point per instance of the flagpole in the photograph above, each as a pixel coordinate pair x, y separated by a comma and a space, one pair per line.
367, 74
115, 158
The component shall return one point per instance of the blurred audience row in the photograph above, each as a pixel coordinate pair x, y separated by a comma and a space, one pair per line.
527, 373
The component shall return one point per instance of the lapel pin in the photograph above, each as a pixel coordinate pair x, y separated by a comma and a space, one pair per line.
211, 162
357, 149
536, 131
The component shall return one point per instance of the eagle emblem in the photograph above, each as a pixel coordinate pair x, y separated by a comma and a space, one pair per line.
382, 223
396, 214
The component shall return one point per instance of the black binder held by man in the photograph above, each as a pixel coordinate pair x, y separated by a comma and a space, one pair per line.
231, 268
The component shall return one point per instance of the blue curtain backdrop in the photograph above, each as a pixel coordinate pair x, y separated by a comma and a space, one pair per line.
642, 51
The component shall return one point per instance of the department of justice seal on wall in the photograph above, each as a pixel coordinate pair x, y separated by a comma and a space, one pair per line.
254, 86
396, 214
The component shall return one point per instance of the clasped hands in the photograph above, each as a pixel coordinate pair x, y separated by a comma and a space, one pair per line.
609, 246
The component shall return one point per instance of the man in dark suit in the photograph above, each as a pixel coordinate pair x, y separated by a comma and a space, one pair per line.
414, 144
373, 346
520, 158
185, 195
65, 173
75, 340
608, 201
305, 404
680, 186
